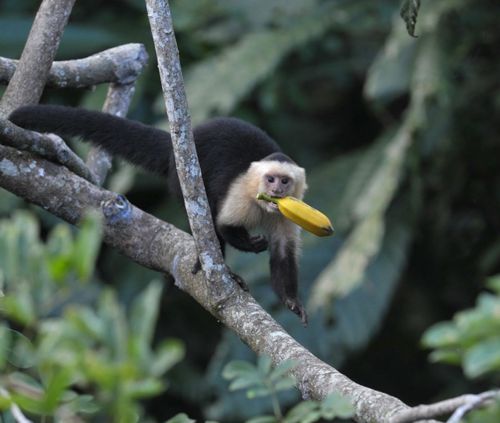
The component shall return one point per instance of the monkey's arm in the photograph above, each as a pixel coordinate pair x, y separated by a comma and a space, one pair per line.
239, 238
284, 277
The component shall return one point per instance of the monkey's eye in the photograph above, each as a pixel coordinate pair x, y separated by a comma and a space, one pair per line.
284, 181
270, 179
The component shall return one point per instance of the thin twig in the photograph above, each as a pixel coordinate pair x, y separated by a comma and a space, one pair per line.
440, 408
474, 401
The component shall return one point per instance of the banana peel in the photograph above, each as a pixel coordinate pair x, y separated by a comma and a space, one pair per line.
302, 214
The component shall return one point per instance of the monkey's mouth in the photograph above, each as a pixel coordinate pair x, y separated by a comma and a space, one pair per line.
273, 207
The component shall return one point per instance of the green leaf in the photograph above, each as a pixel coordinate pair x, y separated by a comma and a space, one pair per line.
409, 13
5, 402
170, 352
180, 418
60, 250
482, 358
494, 284
21, 353
347, 270
258, 391
336, 405
285, 383
55, 389
144, 388
87, 322
246, 381
115, 324
264, 364
480, 322
238, 368
84, 404
144, 312
282, 369
86, 247
263, 419
19, 305
5, 345
304, 412
217, 84
443, 334
446, 356
389, 76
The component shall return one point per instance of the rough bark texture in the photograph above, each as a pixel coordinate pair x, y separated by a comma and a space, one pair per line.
26, 85
160, 246
49, 146
200, 219
121, 65
117, 103
140, 236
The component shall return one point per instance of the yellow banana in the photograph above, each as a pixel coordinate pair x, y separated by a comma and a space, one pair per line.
302, 214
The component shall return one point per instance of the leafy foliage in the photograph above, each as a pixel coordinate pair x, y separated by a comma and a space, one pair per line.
471, 338
263, 380
62, 332
413, 230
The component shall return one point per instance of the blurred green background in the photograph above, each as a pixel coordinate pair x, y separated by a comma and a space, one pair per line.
401, 140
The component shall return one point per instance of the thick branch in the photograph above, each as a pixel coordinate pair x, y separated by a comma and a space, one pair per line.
120, 65
26, 85
186, 159
162, 247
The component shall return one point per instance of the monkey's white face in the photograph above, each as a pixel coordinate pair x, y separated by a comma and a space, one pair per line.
276, 185
276, 179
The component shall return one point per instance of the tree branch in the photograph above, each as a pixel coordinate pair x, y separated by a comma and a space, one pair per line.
117, 103
162, 247
28, 81
49, 146
458, 406
188, 169
120, 65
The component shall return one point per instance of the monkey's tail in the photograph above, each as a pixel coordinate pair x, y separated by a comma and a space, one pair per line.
139, 144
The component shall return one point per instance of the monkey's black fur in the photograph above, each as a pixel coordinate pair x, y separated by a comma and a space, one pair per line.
226, 148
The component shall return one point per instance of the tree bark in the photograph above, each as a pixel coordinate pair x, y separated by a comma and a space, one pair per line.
28, 81
212, 262
162, 247
120, 65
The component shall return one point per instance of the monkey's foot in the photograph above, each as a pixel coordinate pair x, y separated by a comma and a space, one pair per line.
258, 243
237, 278
298, 309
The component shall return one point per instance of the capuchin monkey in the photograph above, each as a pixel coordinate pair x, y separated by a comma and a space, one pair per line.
237, 160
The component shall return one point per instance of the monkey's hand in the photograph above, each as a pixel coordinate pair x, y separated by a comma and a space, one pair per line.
258, 243
295, 306
239, 238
